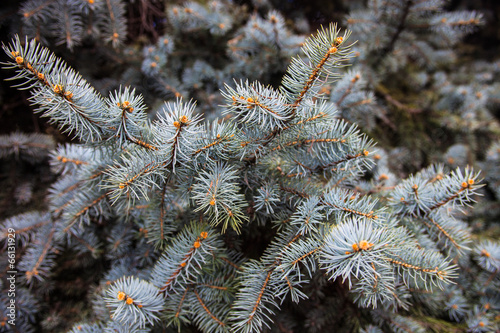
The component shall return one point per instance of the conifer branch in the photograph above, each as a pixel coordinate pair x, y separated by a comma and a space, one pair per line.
27, 13
162, 212
42, 253
444, 232
216, 141
59, 91
231, 263
294, 191
207, 310
63, 159
399, 29
282, 158
84, 210
84, 242
296, 261
179, 307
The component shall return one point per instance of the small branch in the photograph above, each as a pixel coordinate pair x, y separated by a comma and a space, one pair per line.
401, 26
397, 103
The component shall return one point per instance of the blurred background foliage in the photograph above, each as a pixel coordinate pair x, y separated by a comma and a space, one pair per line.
417, 122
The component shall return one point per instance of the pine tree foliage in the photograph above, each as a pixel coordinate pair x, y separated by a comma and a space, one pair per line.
257, 48
410, 29
417, 38
194, 16
39, 257
353, 99
172, 202
134, 301
28, 147
491, 168
63, 95
27, 224
24, 193
26, 310
69, 22
216, 194
488, 255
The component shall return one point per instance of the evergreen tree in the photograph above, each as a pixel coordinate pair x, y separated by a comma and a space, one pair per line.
226, 223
